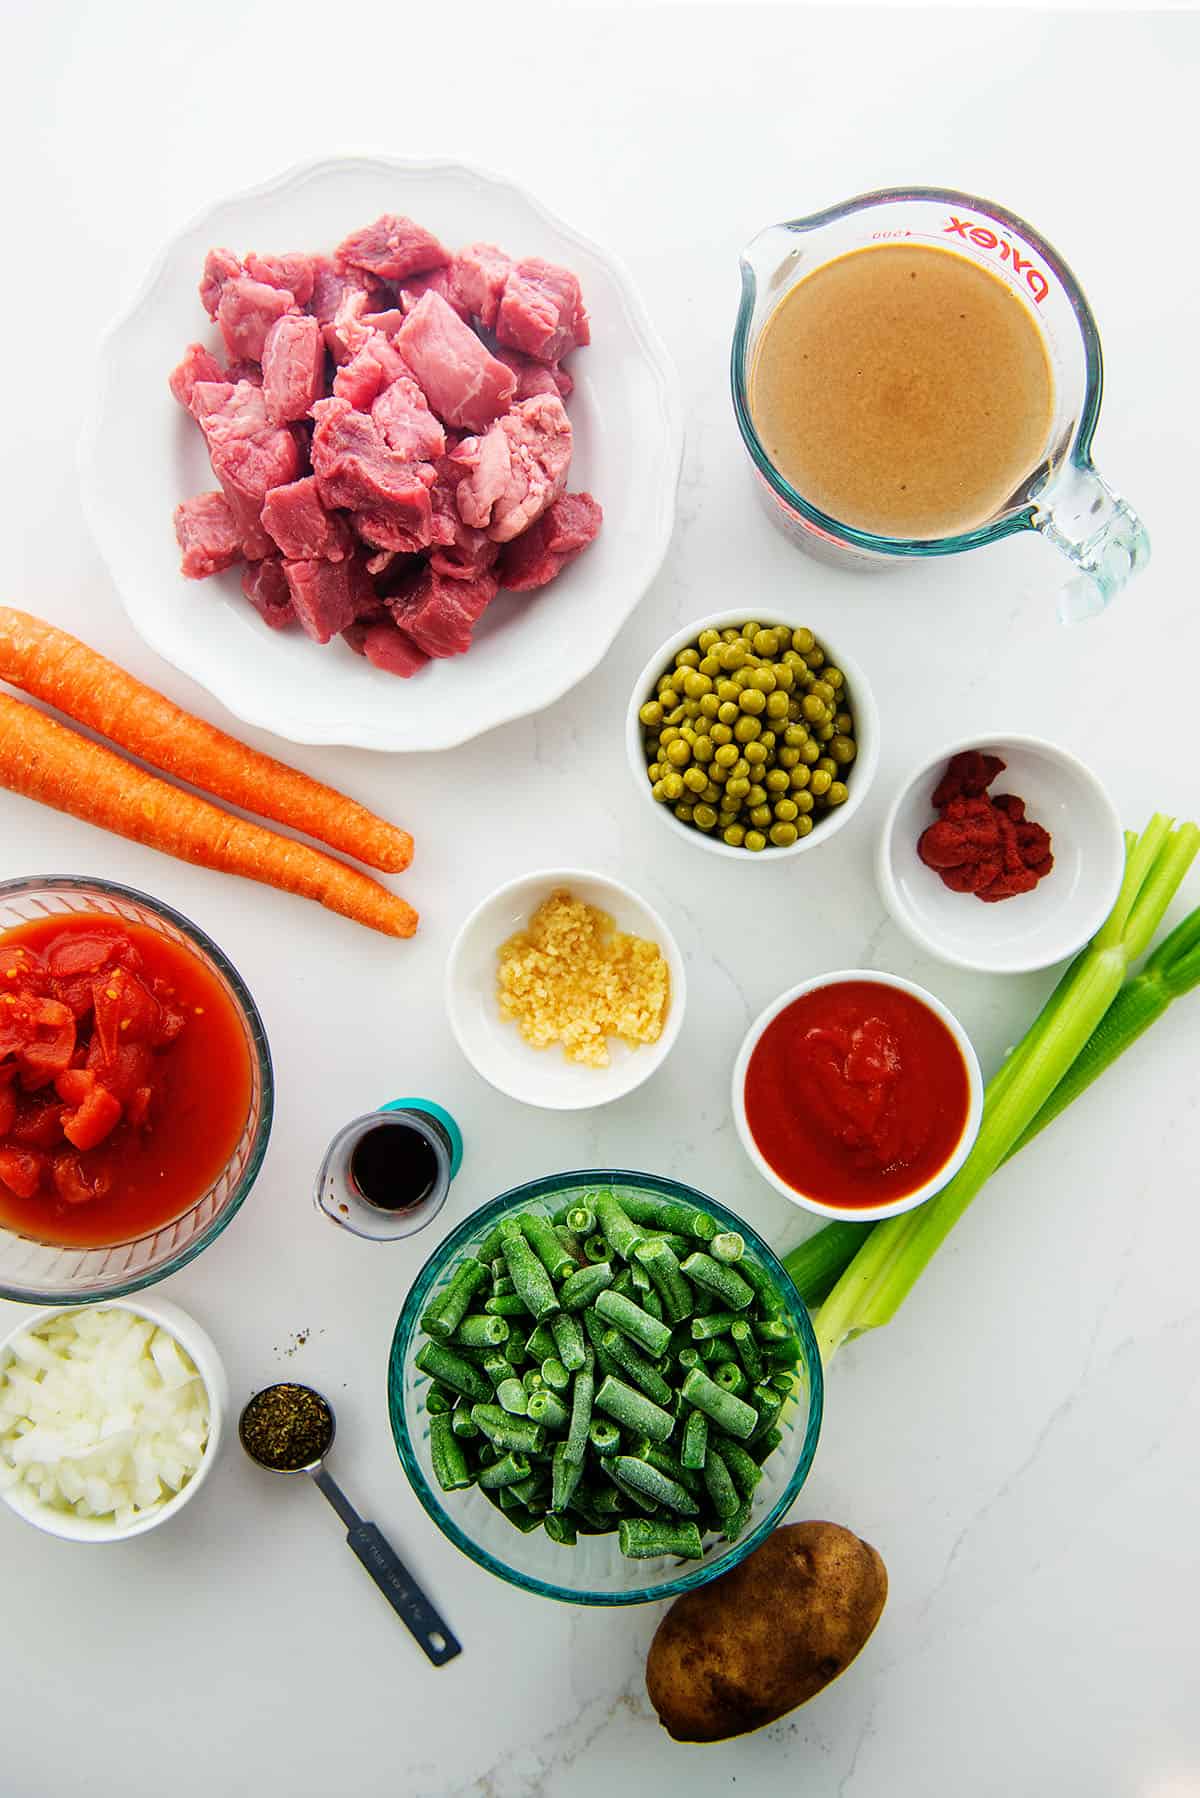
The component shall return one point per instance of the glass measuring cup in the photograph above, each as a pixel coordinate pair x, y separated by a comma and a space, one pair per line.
1063, 498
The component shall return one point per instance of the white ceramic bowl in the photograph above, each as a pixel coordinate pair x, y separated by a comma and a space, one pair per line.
866, 730
199, 1345
864, 1214
1031, 930
141, 455
494, 1045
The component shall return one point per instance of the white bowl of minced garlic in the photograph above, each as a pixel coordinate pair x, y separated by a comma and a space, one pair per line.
565, 989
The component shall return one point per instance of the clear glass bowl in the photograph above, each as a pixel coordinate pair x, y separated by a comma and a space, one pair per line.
594, 1571
40, 1273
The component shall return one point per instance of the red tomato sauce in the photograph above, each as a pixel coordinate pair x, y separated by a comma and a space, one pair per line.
125, 1080
856, 1094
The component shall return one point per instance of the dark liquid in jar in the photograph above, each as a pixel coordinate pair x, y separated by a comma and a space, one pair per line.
393, 1167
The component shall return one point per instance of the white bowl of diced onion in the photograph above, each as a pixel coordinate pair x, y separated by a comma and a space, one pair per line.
125, 1401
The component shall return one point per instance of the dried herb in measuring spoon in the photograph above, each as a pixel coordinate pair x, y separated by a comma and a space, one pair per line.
286, 1427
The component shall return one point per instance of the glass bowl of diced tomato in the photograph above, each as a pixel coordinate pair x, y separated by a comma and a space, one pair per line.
136, 1090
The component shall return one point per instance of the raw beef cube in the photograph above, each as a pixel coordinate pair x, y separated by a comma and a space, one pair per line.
439, 280
516, 470
534, 377
465, 385
302, 527
402, 413
293, 274
331, 285
388, 321
265, 586
327, 596
198, 364
441, 614
542, 311
372, 368
550, 543
392, 247
208, 535
386, 646
246, 313
293, 367
478, 275
244, 368
381, 532
248, 453
355, 468
219, 266
459, 550
228, 409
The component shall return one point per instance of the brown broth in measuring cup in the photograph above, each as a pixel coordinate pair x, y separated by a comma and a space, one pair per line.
903, 390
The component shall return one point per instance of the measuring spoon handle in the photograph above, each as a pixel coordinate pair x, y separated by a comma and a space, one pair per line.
403, 1593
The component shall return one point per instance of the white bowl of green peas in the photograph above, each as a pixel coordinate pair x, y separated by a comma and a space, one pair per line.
752, 740
604, 1388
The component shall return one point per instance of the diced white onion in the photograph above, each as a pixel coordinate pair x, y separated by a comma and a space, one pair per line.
102, 1414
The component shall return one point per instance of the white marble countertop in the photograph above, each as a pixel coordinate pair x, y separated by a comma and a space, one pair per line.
1021, 1444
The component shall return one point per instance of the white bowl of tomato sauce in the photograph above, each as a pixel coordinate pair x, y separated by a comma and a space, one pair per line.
136, 1090
857, 1094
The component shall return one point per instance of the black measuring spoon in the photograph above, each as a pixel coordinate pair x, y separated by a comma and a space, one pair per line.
367, 1540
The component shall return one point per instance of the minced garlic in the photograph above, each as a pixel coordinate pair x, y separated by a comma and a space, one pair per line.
572, 978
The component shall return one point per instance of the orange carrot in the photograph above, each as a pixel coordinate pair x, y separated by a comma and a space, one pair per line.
47, 761
74, 679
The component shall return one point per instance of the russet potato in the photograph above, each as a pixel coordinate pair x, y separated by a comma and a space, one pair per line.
766, 1636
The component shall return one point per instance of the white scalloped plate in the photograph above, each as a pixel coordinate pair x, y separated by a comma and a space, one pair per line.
140, 455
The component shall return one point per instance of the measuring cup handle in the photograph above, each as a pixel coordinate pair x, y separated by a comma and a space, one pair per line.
403, 1593
1099, 532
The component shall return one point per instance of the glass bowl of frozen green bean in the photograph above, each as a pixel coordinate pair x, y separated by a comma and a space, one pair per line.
604, 1388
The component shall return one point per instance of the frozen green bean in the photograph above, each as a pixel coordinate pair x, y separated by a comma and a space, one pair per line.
565, 1476
442, 1316
674, 1215
568, 1340
481, 1330
506, 1304
583, 1391
652, 1484
763, 1446
727, 1246
725, 1409
596, 1247
513, 1397
634, 1411
649, 1332
731, 1377
452, 1369
546, 1407
530, 1278
539, 1233
507, 1471
662, 1266
743, 1468
634, 1366
644, 1539
446, 1453
695, 1441
463, 1424
618, 1229
540, 1342
505, 1432
770, 1299
555, 1374
717, 1323
560, 1529
582, 1287
604, 1436
724, 1284
581, 1219
439, 1399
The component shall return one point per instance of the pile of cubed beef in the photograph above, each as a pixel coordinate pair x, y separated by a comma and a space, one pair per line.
389, 437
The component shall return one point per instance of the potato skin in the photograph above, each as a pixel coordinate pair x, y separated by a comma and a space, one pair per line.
766, 1636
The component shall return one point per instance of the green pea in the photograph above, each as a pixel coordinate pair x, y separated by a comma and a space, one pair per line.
651, 713
752, 701
737, 789
838, 793
803, 801
827, 765
802, 641
668, 697
695, 780
783, 835
677, 714
746, 729
702, 749
696, 685
658, 792
684, 813
826, 733
672, 786
710, 705
741, 769
679, 753
720, 733
787, 758
733, 655
729, 635
821, 689
755, 753
750, 631
810, 752
799, 778
795, 736
836, 678
762, 680
704, 817
735, 836
708, 640
688, 658
755, 840
803, 826
785, 676
728, 712
761, 816
821, 780
844, 723
711, 666
843, 749
726, 755
786, 810
777, 780
757, 795
813, 708
815, 657
777, 705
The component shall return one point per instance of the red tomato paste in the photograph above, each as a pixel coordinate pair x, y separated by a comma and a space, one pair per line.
124, 1080
983, 843
856, 1094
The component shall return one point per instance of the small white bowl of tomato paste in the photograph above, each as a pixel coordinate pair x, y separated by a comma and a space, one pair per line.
857, 1094
1002, 854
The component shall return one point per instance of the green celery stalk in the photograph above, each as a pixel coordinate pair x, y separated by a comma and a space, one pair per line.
893, 1257
815, 1264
